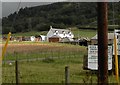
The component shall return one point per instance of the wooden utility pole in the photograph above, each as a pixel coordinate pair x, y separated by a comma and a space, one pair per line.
102, 43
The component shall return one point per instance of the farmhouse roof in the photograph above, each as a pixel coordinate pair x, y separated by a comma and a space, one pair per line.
110, 36
60, 31
56, 36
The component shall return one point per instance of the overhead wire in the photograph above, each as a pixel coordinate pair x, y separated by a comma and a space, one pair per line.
16, 15
14, 19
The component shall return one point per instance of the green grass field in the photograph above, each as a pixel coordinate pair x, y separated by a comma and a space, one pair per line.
44, 72
76, 32
30, 50
31, 33
84, 33
50, 69
52, 72
50, 61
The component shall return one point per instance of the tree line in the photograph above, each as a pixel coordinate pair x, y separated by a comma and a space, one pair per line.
60, 14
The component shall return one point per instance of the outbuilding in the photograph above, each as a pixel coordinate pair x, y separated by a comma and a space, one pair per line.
94, 40
54, 38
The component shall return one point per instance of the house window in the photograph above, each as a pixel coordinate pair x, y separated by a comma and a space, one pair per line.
63, 33
54, 34
56, 31
69, 33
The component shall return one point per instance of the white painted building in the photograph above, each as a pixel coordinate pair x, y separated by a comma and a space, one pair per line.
62, 33
43, 37
32, 38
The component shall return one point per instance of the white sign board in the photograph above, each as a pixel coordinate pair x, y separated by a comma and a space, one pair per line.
117, 34
93, 57
118, 43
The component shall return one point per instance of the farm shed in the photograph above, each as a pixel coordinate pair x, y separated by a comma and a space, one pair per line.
35, 38
32, 38
43, 38
66, 39
110, 39
38, 38
62, 33
25, 38
54, 38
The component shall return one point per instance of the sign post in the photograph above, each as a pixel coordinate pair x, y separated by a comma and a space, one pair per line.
116, 52
5, 47
117, 36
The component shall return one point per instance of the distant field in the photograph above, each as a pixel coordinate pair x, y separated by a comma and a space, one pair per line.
84, 33
40, 50
76, 32
32, 33
51, 68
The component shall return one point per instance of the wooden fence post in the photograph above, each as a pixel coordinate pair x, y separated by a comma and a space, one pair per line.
66, 75
16, 72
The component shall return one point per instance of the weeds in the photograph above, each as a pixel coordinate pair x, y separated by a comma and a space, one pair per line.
48, 60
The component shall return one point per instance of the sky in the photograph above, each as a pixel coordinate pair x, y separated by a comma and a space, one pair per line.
11, 7
0, 9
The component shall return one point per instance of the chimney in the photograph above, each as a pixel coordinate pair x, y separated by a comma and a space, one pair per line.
70, 29
50, 27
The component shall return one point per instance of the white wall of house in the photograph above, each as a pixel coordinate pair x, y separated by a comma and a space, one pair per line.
62, 33
49, 34
32, 38
43, 37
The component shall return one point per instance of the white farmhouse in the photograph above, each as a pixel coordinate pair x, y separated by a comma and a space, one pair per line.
56, 35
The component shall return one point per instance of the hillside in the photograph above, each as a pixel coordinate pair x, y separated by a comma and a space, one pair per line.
62, 15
